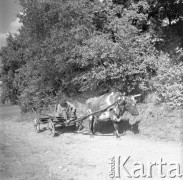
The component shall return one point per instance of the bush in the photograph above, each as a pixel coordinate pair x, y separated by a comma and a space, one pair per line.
168, 82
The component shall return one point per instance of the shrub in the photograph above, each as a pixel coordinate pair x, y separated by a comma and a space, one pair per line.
168, 82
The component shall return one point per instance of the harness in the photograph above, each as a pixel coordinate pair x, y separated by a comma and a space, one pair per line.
102, 110
121, 110
111, 108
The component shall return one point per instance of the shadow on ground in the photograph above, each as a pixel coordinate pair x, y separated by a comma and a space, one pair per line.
101, 128
124, 125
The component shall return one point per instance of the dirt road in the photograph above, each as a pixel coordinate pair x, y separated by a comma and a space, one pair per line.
24, 154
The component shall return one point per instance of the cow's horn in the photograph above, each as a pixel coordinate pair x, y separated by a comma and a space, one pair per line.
137, 95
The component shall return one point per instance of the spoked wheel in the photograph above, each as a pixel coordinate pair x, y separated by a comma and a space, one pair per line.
36, 124
51, 127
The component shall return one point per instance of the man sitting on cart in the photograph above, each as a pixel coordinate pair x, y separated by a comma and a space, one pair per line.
66, 110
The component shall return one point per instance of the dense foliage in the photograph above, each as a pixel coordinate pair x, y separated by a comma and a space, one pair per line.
169, 82
65, 47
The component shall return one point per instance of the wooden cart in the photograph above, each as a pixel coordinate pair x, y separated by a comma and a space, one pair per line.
52, 121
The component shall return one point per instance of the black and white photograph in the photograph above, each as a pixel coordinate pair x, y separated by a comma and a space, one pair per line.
91, 89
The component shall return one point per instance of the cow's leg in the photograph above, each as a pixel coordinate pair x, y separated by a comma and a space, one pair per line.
113, 118
91, 126
116, 127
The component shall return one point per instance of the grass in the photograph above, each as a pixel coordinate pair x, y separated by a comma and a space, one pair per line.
9, 114
160, 123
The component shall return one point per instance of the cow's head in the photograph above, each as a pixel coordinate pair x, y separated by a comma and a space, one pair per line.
130, 104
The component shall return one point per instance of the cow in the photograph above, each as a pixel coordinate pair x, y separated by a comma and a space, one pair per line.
117, 103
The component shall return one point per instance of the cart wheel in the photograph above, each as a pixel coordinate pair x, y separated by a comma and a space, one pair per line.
36, 124
51, 127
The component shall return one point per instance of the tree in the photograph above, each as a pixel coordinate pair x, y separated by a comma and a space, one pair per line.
65, 47
117, 53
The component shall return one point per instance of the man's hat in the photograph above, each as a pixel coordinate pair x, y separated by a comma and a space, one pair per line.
63, 102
